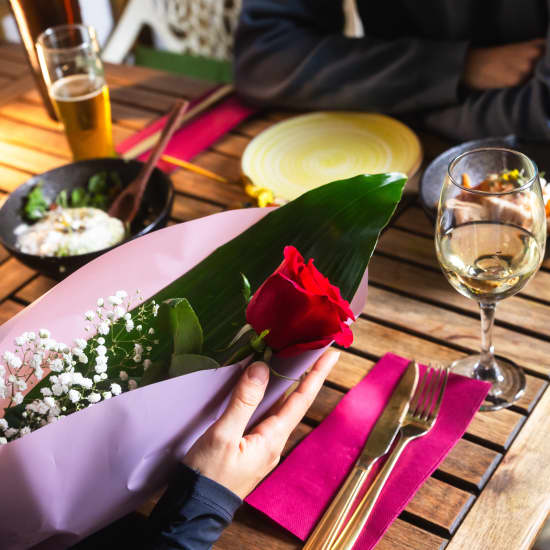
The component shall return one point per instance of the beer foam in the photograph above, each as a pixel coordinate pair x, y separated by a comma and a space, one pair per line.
70, 88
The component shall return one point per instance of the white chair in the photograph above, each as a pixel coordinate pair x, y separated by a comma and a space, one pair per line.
198, 27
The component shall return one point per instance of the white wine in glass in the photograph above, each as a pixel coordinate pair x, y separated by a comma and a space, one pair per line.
490, 240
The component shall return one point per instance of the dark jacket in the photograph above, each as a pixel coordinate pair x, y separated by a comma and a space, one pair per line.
292, 53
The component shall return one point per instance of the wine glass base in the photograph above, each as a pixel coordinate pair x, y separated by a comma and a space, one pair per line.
507, 388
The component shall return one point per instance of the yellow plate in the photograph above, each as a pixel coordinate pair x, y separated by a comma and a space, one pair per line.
303, 152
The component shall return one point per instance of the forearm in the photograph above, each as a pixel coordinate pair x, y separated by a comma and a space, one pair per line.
294, 54
522, 110
192, 513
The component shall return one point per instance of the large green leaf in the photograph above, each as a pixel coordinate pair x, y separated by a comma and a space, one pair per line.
177, 317
337, 224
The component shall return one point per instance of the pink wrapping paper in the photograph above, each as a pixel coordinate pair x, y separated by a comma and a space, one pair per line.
195, 136
69, 479
296, 494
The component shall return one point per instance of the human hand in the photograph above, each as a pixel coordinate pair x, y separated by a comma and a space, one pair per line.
237, 461
501, 66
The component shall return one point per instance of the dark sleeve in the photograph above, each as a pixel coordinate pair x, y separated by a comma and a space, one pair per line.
522, 110
292, 53
191, 514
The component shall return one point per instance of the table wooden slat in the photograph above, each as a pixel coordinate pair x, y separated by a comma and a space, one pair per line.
35, 288
8, 309
442, 325
13, 274
510, 510
202, 187
420, 250
432, 285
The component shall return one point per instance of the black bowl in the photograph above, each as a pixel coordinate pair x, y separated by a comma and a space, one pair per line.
156, 207
434, 175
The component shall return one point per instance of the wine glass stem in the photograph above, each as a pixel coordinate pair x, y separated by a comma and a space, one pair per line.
487, 368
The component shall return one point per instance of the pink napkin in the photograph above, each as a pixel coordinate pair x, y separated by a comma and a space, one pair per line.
298, 491
195, 136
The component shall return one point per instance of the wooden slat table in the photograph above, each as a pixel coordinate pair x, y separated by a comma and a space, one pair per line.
493, 489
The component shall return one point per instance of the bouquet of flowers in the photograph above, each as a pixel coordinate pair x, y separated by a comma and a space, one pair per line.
147, 369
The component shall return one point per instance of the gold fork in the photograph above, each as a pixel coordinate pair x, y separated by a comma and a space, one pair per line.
419, 420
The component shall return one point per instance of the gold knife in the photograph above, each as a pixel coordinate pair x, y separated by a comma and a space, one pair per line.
378, 444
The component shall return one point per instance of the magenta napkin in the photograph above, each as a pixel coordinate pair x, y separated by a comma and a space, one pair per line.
298, 491
195, 136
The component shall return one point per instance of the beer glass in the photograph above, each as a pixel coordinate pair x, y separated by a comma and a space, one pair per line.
73, 72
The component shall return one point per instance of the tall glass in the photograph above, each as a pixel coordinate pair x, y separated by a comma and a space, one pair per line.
490, 240
73, 72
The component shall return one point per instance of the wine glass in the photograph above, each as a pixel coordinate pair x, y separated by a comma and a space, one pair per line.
490, 240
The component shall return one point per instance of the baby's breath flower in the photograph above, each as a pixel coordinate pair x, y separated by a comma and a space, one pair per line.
3, 441
100, 302
89, 315
129, 325
100, 369
46, 391
101, 340
119, 312
155, 309
101, 350
151, 331
107, 395
80, 343
4, 424
17, 398
94, 397
56, 365
103, 328
115, 389
121, 294
44, 333
21, 340
74, 396
115, 300
96, 378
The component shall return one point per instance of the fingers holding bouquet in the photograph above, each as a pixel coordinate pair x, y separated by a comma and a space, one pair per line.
238, 461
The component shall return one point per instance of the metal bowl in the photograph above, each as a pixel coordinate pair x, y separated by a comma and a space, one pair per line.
156, 207
434, 175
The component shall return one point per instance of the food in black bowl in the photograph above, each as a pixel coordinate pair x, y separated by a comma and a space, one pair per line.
57, 221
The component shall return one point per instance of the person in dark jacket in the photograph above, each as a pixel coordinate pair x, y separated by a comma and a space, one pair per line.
464, 68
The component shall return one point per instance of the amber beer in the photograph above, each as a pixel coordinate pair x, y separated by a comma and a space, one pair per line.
82, 104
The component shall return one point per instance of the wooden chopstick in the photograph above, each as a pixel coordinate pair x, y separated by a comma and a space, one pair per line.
194, 168
197, 109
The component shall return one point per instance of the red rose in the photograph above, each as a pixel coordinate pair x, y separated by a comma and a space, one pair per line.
300, 307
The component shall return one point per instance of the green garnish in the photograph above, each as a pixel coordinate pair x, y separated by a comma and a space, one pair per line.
36, 204
100, 191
